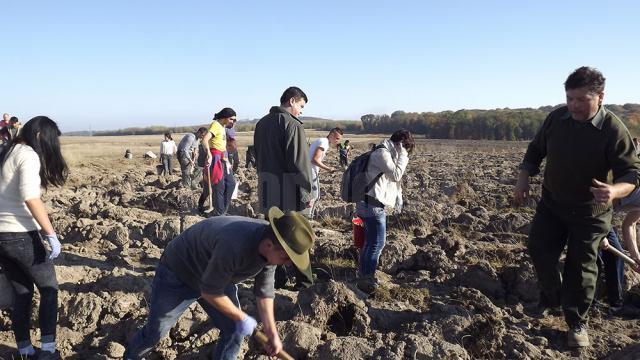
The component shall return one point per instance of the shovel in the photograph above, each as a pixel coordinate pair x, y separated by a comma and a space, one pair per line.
621, 255
263, 340
210, 209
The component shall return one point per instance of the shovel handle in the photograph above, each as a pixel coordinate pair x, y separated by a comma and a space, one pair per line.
209, 185
262, 339
621, 255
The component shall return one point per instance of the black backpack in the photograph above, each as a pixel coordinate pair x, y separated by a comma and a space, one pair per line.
354, 184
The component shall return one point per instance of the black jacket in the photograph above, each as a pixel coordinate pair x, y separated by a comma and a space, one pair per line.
284, 167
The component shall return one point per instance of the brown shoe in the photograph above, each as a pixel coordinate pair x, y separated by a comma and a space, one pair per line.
577, 336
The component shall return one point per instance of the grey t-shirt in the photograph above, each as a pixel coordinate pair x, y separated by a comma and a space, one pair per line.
220, 251
188, 143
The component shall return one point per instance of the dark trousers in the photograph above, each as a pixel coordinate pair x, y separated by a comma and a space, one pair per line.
186, 167
234, 160
613, 268
25, 262
343, 160
221, 193
554, 228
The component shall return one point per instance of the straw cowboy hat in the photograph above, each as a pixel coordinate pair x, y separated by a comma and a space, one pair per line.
295, 235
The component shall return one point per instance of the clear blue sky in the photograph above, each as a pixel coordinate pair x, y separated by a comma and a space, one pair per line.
114, 64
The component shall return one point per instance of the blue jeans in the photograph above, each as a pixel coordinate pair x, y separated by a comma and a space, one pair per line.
375, 231
222, 191
613, 271
170, 297
25, 262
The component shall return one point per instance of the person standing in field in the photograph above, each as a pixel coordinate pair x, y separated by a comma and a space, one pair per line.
5, 136
5, 120
385, 169
282, 160
232, 146
167, 150
630, 204
14, 127
187, 152
582, 143
283, 165
317, 152
216, 170
343, 152
31, 162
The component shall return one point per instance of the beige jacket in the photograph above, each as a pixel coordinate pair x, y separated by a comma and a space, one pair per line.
391, 161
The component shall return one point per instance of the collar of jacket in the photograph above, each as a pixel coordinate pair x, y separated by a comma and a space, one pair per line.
596, 121
281, 110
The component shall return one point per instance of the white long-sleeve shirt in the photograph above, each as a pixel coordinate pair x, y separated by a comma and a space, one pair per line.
19, 181
168, 147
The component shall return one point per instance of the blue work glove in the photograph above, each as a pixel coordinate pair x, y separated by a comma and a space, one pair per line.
55, 245
246, 326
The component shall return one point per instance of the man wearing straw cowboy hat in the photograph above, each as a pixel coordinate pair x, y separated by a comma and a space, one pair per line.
205, 263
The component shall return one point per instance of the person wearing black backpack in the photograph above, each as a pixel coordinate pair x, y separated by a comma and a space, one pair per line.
385, 169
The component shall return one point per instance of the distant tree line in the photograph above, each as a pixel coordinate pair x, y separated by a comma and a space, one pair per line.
498, 124
321, 124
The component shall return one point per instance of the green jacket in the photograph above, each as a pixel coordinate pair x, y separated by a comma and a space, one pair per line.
577, 152
282, 156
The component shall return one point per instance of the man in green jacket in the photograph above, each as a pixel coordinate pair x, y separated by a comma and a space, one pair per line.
283, 165
583, 142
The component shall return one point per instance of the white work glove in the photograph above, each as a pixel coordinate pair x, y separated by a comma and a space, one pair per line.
246, 326
55, 245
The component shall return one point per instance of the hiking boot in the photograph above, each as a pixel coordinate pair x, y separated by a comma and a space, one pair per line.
577, 336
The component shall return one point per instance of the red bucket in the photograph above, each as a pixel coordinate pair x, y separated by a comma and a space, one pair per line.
358, 232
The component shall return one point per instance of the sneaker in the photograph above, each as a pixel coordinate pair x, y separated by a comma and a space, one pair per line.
47, 355
577, 336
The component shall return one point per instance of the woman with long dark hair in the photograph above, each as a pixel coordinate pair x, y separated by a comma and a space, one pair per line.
31, 162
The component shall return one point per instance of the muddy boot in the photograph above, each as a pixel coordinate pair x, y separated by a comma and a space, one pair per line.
577, 336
